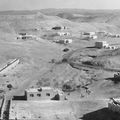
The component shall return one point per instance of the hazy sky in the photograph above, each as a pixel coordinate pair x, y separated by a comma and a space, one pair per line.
40, 4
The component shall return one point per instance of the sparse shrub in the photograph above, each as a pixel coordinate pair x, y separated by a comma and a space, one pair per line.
69, 86
2, 91
9, 86
45, 81
53, 61
4, 75
87, 62
64, 60
39, 83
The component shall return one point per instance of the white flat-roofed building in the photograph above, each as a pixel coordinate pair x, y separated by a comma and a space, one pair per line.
89, 33
63, 33
94, 37
43, 93
64, 41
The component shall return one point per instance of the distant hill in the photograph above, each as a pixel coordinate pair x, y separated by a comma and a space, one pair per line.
75, 19
87, 17
66, 15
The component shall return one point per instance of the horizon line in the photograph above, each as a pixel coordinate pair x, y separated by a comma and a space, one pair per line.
57, 9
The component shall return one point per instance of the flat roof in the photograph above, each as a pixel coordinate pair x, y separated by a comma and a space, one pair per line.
36, 89
38, 109
62, 110
101, 41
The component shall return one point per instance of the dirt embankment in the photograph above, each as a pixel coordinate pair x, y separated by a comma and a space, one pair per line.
95, 58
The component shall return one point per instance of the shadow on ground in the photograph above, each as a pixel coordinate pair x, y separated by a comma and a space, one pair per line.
91, 47
116, 81
102, 114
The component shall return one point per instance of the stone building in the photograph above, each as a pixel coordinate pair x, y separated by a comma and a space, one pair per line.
101, 44
40, 93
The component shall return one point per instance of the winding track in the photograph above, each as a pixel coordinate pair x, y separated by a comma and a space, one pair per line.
80, 66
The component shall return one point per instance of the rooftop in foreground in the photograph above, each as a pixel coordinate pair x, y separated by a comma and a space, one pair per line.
46, 110
36, 110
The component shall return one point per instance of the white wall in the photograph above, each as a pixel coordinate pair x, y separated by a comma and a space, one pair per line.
6, 68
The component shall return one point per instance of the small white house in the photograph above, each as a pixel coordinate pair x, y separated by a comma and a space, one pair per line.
63, 33
64, 41
101, 44
43, 93
88, 33
94, 37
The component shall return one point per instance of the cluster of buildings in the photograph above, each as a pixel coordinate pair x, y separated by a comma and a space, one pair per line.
112, 35
108, 34
25, 36
62, 34
100, 44
94, 35
63, 40
89, 35
104, 44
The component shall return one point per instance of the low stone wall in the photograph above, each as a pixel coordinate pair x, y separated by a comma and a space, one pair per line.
5, 110
1, 108
9, 66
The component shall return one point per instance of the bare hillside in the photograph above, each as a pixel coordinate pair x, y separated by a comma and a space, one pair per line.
83, 72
